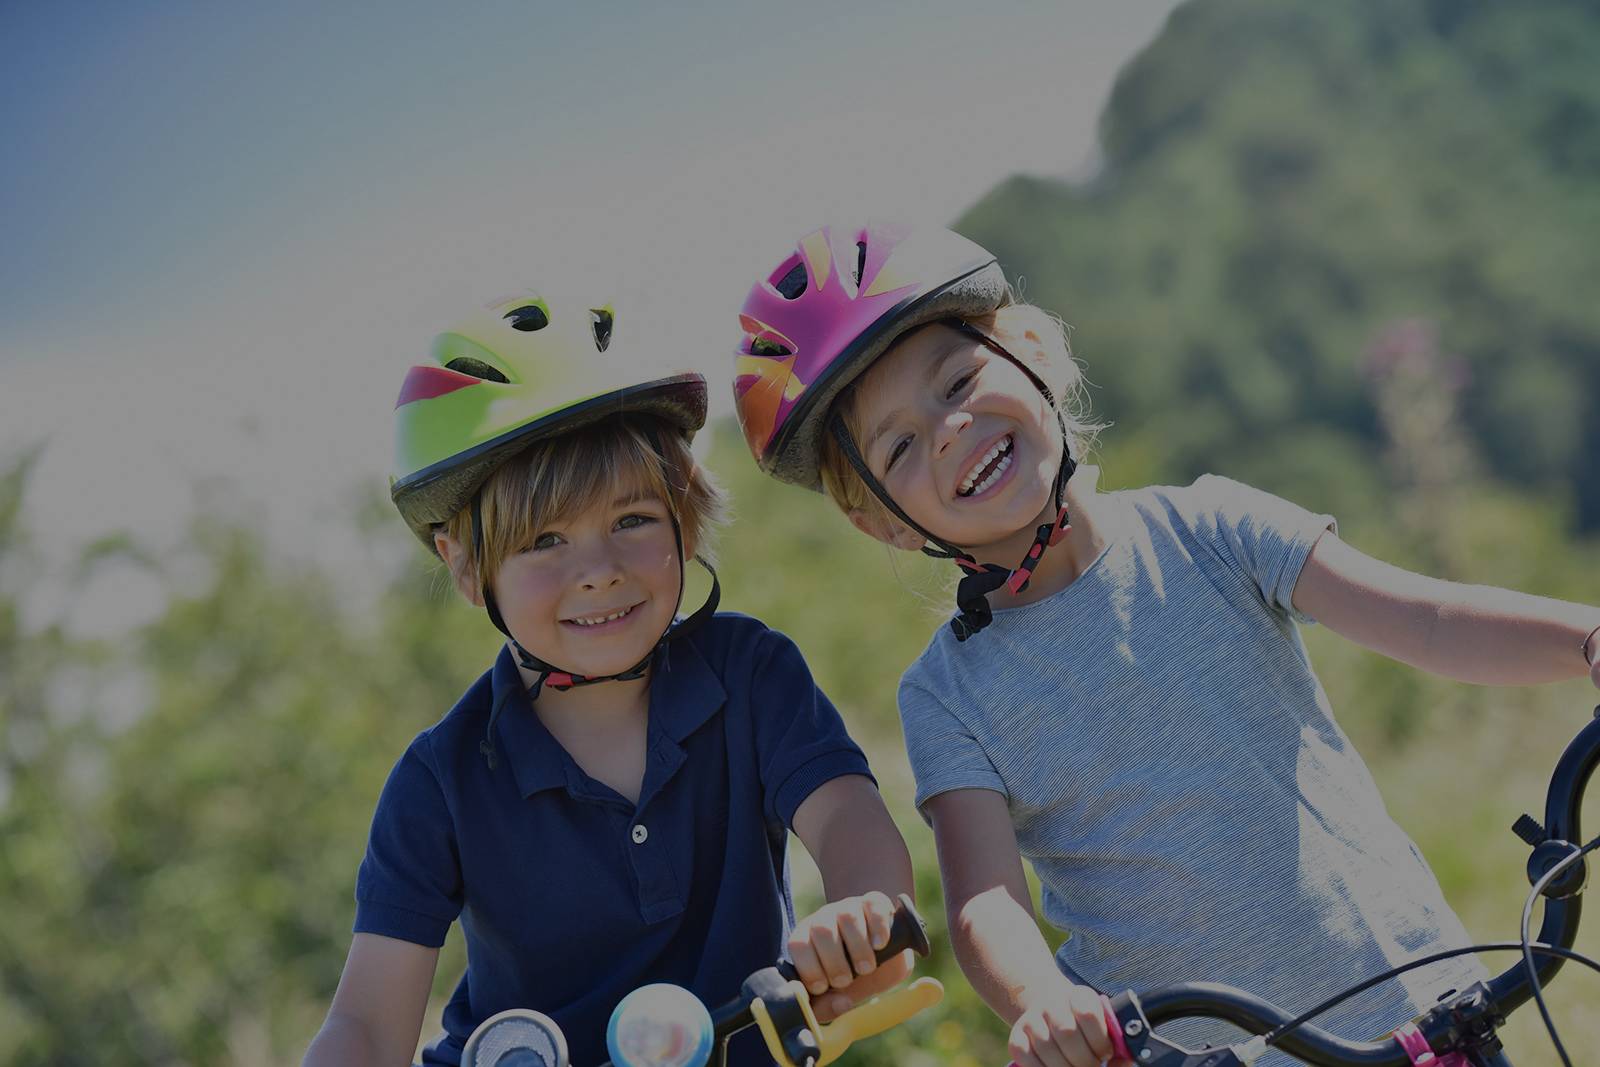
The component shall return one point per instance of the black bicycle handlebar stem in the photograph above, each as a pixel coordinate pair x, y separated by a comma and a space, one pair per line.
1562, 835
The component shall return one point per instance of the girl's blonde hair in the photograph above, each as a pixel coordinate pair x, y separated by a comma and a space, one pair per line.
1035, 337
562, 476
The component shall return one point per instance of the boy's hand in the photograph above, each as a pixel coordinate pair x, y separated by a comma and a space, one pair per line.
1062, 1025
835, 947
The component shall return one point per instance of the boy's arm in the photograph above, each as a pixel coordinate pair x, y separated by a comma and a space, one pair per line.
850, 835
377, 1011
1472, 633
997, 941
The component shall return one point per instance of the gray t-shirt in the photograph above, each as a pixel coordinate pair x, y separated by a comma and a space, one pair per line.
1175, 774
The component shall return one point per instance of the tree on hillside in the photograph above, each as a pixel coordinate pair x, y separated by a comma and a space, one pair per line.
1283, 180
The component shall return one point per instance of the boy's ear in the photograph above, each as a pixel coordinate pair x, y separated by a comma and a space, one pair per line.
883, 528
461, 570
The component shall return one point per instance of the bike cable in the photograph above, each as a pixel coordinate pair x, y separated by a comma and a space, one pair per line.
1527, 941
1538, 948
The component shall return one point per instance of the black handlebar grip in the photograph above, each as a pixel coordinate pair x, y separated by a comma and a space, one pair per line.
908, 931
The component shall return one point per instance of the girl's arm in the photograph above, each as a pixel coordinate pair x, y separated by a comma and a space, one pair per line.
997, 941
376, 1017
1472, 633
864, 865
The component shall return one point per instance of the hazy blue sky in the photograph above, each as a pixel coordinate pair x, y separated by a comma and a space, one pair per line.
228, 228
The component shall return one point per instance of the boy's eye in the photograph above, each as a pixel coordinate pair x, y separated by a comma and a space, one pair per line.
634, 520
960, 384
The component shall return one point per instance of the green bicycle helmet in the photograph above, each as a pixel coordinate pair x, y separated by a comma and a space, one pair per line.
522, 370
518, 371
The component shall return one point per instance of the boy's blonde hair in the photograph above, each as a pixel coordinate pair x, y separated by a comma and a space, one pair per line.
561, 476
1037, 338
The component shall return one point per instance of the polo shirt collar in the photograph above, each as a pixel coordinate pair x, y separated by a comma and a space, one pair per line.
685, 693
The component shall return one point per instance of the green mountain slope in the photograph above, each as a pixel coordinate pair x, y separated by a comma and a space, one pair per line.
1282, 182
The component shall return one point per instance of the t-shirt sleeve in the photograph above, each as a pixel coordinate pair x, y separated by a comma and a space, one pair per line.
800, 739
409, 884
1264, 536
943, 752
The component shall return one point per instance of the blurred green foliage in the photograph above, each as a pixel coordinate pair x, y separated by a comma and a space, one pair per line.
1340, 251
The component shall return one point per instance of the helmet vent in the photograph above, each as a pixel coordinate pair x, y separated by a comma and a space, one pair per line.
861, 259
528, 318
760, 346
793, 283
477, 368
600, 320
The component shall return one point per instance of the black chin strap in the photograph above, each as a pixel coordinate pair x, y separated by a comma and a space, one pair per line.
972, 593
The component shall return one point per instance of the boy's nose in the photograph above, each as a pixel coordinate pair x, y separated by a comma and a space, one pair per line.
602, 579
600, 570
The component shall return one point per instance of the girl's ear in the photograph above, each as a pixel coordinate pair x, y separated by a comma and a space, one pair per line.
889, 531
462, 572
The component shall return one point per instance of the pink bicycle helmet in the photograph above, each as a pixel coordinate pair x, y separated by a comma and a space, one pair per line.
820, 318
834, 305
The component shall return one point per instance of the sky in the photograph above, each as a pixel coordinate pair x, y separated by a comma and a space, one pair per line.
229, 228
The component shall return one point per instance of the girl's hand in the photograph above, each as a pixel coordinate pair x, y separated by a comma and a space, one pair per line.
835, 947
1063, 1025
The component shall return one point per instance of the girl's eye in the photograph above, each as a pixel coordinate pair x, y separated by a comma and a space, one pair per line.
634, 521
896, 450
960, 384
546, 540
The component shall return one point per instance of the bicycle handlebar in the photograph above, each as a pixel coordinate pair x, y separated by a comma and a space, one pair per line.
906, 932
1446, 1026
775, 1000
772, 999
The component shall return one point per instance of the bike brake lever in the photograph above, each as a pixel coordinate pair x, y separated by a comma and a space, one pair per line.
1135, 1040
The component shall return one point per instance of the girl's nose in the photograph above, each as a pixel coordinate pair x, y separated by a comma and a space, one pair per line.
950, 430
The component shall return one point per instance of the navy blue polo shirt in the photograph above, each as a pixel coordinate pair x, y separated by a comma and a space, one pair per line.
569, 895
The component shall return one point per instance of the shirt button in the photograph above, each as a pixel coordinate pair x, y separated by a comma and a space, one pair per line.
640, 833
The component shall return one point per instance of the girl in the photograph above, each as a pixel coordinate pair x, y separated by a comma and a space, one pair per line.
608, 805
1123, 697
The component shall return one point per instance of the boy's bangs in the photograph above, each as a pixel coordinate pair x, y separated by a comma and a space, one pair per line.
555, 480
569, 476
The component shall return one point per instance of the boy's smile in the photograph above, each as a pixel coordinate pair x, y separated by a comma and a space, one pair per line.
602, 620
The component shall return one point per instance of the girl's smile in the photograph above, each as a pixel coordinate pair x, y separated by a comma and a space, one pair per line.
989, 470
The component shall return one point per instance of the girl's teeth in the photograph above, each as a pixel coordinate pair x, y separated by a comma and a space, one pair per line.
967, 488
987, 482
